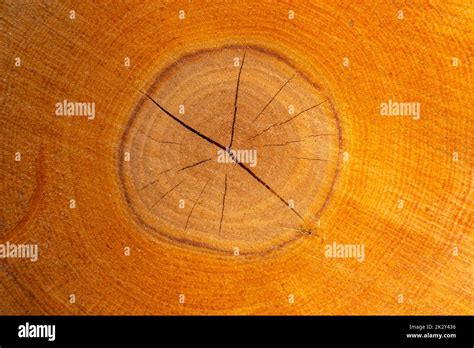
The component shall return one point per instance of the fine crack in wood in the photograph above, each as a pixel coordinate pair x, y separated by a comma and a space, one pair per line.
193, 165
156, 140
177, 171
167, 192
286, 121
273, 98
195, 204
208, 139
299, 140
235, 102
223, 204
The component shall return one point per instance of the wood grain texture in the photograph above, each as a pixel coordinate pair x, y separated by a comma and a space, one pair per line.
372, 163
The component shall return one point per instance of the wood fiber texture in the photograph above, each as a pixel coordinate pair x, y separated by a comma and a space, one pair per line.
401, 187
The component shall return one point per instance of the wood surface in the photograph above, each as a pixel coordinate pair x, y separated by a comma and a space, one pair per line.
399, 186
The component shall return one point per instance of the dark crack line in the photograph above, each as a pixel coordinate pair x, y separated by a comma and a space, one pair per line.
273, 98
311, 159
263, 183
169, 191
177, 171
286, 121
189, 128
269, 189
156, 140
201, 135
194, 165
195, 204
150, 183
299, 140
235, 102
223, 204
156, 180
165, 171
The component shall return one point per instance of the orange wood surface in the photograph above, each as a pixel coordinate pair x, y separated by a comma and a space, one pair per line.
401, 187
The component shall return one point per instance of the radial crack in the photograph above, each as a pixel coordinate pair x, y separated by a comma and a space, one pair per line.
156, 140
189, 128
195, 203
300, 140
193, 165
248, 170
167, 192
273, 98
179, 170
149, 184
286, 121
223, 204
311, 159
235, 102
241, 165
